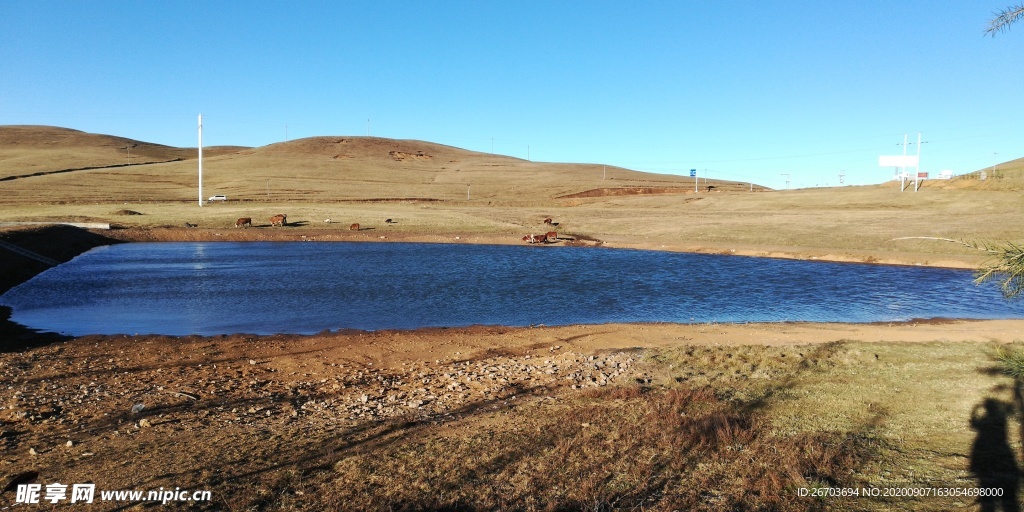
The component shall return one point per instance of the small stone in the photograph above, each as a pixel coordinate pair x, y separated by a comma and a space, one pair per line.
137, 408
32, 451
252, 361
144, 423
69, 444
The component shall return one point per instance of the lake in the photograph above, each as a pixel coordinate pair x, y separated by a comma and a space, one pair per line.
213, 288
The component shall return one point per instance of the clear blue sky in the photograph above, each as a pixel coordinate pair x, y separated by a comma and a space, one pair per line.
747, 90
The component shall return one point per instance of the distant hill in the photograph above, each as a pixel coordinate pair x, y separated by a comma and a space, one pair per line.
33, 149
318, 169
1007, 176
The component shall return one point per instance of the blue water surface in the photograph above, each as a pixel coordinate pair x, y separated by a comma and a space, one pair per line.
297, 287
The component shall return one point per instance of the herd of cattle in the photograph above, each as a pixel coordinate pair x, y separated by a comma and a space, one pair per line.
549, 237
282, 220
276, 220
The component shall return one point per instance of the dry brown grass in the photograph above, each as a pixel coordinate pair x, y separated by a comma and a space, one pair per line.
423, 186
717, 428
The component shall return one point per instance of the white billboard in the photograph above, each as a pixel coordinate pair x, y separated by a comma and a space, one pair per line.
898, 161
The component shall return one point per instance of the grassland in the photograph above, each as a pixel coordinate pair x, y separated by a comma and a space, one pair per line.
705, 417
424, 187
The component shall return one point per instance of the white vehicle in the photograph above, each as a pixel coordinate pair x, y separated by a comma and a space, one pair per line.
218, 198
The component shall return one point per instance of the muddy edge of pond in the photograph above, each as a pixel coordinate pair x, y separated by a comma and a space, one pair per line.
62, 243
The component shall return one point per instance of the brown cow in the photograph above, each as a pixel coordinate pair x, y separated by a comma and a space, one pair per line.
244, 222
535, 239
354, 227
547, 220
279, 220
551, 236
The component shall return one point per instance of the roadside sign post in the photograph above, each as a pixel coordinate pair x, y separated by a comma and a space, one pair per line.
693, 174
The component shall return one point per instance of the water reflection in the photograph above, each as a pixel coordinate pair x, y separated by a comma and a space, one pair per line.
263, 288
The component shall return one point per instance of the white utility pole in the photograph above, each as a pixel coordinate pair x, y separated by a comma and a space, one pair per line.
200, 159
917, 168
902, 170
786, 174
604, 169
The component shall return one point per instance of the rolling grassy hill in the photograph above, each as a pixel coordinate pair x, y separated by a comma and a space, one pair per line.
425, 186
27, 150
320, 169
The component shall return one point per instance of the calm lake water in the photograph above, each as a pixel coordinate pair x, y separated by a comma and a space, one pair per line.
265, 288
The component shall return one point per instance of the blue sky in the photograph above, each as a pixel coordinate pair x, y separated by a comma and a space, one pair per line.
745, 90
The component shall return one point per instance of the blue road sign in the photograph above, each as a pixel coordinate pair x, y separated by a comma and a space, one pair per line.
693, 172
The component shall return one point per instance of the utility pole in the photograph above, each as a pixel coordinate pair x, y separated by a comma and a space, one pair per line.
786, 174
200, 160
467, 191
604, 174
841, 174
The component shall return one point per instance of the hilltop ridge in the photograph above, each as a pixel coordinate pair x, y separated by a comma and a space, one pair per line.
322, 168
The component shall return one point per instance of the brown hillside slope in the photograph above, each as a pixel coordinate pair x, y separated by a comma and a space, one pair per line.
1005, 176
26, 150
317, 169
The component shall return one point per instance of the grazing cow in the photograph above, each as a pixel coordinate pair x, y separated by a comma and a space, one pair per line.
389, 221
710, 188
327, 221
551, 236
279, 220
548, 220
244, 222
354, 227
535, 239
190, 225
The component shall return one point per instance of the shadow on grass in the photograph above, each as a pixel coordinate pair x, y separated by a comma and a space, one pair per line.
628, 447
56, 242
993, 461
